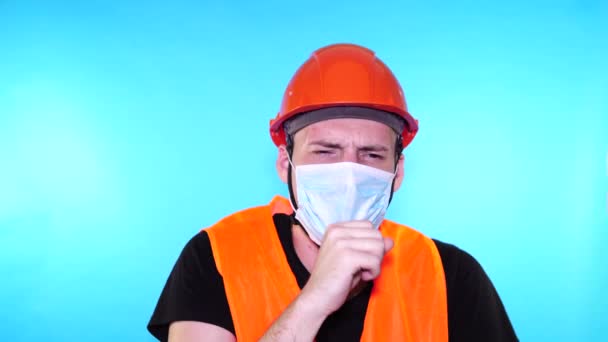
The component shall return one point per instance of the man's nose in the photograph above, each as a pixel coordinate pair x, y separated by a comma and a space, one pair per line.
350, 155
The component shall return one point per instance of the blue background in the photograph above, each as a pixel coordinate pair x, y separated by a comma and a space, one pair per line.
126, 126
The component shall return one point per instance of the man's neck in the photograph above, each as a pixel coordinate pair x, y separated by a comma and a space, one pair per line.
306, 249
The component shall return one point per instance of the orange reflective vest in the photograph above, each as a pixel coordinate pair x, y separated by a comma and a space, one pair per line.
408, 300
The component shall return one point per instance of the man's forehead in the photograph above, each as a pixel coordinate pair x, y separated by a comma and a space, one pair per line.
346, 129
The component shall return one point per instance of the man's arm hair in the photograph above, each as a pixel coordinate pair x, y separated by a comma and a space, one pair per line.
300, 322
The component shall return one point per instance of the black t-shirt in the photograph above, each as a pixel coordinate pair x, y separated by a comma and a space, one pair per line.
195, 292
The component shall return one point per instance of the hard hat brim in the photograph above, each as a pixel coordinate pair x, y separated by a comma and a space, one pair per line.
298, 122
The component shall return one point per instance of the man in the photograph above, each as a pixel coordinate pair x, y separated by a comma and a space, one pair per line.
326, 265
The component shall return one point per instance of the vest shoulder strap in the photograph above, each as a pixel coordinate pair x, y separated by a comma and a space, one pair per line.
409, 299
257, 278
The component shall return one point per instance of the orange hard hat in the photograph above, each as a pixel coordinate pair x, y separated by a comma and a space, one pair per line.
343, 75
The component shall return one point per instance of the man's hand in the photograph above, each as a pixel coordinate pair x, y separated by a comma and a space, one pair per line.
350, 252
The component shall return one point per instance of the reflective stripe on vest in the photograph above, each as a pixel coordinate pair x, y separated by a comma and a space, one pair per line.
408, 300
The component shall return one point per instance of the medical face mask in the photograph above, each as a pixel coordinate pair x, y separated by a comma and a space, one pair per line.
338, 192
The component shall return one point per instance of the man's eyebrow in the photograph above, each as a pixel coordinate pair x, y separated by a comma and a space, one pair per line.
325, 143
364, 148
373, 148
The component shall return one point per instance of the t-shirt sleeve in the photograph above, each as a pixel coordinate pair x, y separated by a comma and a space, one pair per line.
475, 311
194, 291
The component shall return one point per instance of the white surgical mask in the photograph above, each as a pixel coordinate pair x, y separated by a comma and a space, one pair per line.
338, 192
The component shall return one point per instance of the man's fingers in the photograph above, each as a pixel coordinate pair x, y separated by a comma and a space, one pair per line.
354, 224
351, 229
367, 276
372, 246
368, 266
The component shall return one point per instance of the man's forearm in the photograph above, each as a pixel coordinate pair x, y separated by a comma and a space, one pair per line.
300, 322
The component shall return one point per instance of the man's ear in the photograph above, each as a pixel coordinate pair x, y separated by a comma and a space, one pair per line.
400, 173
282, 163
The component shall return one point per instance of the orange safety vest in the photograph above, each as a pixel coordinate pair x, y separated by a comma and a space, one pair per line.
408, 300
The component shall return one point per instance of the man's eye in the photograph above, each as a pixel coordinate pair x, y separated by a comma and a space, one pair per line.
322, 152
376, 156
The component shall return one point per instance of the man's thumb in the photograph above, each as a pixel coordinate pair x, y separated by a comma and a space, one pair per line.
388, 244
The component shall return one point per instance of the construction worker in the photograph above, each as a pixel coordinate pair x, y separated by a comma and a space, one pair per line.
325, 265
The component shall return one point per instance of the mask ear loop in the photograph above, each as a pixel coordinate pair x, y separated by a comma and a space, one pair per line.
292, 197
398, 151
289, 148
